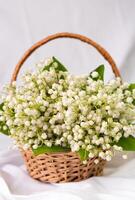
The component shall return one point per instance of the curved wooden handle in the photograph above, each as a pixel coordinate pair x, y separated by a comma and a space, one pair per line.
100, 49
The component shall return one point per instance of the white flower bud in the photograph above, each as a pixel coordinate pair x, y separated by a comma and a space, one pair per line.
108, 158
91, 155
26, 146
35, 146
27, 123
94, 74
96, 161
129, 100
44, 136
9, 122
69, 137
85, 162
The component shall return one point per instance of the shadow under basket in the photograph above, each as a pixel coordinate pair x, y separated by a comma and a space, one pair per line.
61, 167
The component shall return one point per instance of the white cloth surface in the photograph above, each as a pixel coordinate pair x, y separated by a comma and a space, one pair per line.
110, 23
15, 184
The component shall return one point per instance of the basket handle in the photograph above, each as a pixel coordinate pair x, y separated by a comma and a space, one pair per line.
85, 39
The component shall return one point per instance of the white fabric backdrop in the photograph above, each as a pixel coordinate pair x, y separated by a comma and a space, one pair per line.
109, 22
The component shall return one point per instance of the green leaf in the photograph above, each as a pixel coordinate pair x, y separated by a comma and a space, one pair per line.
100, 71
47, 67
83, 154
131, 86
2, 130
128, 144
2, 124
60, 66
53, 149
1, 106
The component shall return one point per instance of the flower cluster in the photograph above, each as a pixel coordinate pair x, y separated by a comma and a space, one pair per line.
53, 107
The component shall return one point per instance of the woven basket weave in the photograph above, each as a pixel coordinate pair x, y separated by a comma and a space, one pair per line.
62, 167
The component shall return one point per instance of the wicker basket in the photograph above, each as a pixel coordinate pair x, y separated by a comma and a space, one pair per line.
62, 167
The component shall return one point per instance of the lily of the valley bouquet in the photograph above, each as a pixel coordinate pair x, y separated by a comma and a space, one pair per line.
54, 111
